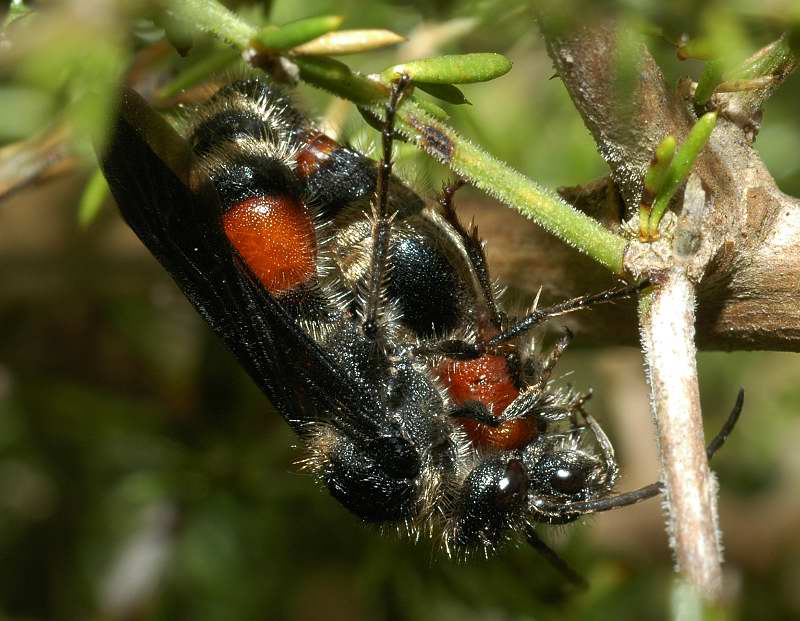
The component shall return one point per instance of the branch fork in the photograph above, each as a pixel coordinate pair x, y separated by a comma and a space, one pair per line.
730, 211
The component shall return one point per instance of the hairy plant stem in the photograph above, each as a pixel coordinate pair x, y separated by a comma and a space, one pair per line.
667, 319
214, 18
511, 187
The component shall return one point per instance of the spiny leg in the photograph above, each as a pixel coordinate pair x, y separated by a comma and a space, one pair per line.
463, 350
544, 372
648, 491
540, 315
381, 231
555, 560
474, 249
611, 467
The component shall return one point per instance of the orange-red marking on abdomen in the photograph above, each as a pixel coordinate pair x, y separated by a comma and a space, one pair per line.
275, 237
488, 380
315, 151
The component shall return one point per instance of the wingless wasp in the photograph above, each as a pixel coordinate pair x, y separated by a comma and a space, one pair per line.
368, 317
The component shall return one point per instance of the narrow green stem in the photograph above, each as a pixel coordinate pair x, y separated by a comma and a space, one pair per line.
212, 17
681, 166
507, 185
441, 142
712, 76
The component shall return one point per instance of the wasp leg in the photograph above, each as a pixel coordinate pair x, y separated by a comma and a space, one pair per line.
540, 315
540, 373
462, 350
552, 557
612, 469
382, 227
727, 428
474, 249
454, 349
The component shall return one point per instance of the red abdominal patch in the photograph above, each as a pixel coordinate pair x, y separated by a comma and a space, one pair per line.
275, 236
487, 380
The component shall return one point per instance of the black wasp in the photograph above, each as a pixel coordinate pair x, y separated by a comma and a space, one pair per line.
367, 316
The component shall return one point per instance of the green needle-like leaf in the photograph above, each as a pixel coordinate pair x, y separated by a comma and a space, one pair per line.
349, 42
681, 166
657, 172
654, 180
452, 69
337, 78
296, 33
94, 195
712, 76
445, 92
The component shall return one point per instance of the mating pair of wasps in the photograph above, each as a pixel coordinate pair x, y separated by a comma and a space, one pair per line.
367, 316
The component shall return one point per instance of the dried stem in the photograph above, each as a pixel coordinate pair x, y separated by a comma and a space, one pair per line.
43, 157
667, 324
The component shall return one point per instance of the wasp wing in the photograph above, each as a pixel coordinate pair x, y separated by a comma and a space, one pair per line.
176, 213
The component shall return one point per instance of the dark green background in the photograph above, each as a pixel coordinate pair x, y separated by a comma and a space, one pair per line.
128, 435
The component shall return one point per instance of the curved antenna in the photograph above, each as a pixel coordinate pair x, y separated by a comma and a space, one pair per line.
727, 428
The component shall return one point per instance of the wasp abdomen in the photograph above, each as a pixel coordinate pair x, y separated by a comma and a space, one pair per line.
428, 289
356, 480
238, 141
274, 234
266, 220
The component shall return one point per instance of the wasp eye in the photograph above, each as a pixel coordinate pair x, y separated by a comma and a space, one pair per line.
567, 480
512, 487
564, 473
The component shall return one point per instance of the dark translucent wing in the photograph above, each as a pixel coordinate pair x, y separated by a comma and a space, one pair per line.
177, 215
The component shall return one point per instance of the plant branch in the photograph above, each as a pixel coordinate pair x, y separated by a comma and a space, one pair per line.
667, 324
507, 185
214, 18
748, 294
711, 239
627, 118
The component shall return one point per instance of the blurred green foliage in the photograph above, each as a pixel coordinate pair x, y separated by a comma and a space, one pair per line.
142, 476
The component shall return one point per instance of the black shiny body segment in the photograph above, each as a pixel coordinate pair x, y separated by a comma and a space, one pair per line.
431, 293
249, 175
345, 176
